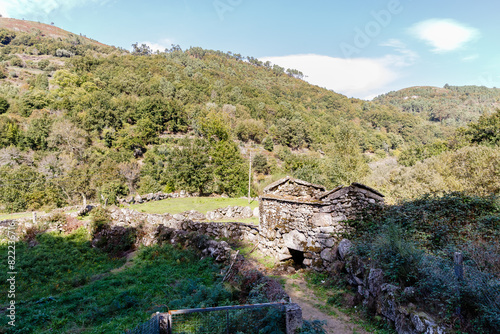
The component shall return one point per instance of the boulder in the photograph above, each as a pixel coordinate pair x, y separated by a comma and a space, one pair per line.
344, 248
138, 199
256, 212
375, 281
246, 212
327, 255
195, 215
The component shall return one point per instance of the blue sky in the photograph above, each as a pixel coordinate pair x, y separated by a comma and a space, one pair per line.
359, 48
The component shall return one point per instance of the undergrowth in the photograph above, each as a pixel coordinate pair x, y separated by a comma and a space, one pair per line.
63, 286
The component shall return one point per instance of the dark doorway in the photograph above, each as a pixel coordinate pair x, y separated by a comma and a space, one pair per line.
297, 257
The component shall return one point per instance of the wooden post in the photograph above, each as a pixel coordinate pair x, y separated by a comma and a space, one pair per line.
34, 217
249, 176
458, 258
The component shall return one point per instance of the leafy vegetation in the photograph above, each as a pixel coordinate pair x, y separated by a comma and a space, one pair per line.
90, 122
64, 286
452, 105
414, 243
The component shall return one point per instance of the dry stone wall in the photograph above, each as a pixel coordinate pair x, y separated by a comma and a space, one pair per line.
150, 222
311, 224
155, 197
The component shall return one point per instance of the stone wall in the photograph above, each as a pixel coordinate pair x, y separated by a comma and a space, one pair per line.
155, 197
312, 225
149, 223
382, 298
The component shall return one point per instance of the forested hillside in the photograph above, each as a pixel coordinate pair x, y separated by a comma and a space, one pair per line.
80, 120
450, 105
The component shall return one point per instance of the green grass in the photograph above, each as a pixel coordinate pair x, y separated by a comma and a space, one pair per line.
5, 216
201, 204
51, 298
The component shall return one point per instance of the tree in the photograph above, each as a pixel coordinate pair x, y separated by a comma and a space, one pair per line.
130, 171
260, 165
141, 50
67, 137
486, 130
189, 167
230, 172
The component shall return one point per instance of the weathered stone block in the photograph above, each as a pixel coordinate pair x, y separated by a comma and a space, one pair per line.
295, 240
344, 248
327, 255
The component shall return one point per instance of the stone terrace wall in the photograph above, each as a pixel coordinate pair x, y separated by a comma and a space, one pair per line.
155, 197
150, 222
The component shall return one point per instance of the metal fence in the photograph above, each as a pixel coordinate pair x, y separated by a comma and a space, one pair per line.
150, 327
268, 318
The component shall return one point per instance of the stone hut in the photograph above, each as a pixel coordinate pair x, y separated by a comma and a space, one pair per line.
302, 221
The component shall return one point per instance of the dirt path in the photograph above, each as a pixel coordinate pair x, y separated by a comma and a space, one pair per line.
338, 323
128, 263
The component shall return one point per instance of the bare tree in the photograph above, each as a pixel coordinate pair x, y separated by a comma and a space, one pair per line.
130, 171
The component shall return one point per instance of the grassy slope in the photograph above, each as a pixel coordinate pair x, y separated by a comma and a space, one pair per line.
45, 29
201, 204
65, 286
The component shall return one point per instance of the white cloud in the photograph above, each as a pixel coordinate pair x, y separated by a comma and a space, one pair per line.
355, 77
405, 56
161, 45
444, 35
41, 8
470, 57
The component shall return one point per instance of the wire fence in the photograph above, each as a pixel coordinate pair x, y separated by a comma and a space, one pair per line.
244, 319
269, 318
150, 327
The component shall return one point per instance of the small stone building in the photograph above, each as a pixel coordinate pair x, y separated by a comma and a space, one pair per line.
302, 221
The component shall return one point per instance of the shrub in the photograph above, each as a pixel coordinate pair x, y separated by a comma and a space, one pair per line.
268, 144
63, 53
260, 164
42, 64
16, 61
251, 129
148, 185
100, 220
394, 254
312, 327
4, 105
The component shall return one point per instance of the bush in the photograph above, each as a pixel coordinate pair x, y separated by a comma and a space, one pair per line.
42, 64
4, 105
63, 53
148, 185
100, 220
312, 327
251, 129
260, 164
398, 257
16, 61
268, 144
